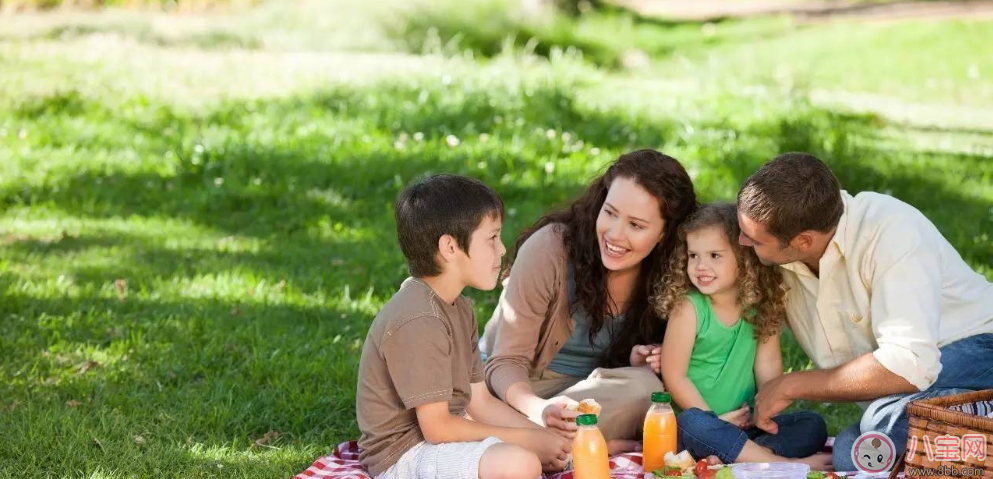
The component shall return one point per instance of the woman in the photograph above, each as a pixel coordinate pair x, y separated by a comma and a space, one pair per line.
604, 254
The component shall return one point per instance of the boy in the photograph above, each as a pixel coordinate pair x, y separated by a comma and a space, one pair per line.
420, 374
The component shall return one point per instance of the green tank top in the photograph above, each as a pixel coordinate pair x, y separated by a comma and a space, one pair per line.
722, 364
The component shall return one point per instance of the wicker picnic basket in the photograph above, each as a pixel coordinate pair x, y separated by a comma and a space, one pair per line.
934, 418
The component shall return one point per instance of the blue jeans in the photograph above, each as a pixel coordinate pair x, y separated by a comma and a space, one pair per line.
703, 434
966, 365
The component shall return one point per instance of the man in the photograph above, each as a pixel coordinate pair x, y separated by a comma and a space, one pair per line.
880, 301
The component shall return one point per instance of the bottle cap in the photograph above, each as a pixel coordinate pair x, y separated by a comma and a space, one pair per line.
661, 397
586, 420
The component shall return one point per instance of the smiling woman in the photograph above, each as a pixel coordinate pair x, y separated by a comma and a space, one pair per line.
574, 320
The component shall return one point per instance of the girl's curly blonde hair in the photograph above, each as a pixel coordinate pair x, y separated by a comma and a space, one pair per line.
761, 291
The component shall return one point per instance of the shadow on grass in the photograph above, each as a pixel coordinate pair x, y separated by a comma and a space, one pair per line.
301, 263
285, 186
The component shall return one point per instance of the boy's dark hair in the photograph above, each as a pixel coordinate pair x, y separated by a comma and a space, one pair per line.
439, 205
794, 192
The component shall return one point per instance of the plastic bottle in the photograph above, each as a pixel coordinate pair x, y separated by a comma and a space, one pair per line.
660, 432
589, 450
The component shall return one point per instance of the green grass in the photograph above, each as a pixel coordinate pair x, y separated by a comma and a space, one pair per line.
912, 61
194, 240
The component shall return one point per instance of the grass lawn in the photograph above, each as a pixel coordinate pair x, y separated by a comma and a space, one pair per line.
196, 223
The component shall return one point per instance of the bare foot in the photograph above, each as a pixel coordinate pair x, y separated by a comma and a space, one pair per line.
818, 462
620, 446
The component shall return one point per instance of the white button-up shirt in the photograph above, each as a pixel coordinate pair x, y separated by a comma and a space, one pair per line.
889, 284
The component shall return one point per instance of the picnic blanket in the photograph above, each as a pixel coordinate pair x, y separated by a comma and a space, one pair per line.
343, 463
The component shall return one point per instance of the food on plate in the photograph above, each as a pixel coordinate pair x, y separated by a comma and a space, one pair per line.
712, 472
683, 460
670, 471
682, 465
701, 468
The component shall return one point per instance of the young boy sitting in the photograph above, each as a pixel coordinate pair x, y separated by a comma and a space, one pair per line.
422, 404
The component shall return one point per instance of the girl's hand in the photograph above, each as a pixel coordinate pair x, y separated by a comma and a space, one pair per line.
741, 417
647, 355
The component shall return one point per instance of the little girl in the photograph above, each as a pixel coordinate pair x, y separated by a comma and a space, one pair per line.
725, 311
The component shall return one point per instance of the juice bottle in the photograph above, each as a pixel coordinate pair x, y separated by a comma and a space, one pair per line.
589, 450
660, 432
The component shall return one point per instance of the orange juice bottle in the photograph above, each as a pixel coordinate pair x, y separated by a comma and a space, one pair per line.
660, 432
589, 450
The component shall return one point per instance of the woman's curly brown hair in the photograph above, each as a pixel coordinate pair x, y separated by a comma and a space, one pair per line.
761, 290
664, 178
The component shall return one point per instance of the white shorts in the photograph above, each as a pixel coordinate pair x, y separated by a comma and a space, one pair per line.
453, 460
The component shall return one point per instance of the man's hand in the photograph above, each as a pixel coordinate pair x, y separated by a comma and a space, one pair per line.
647, 355
741, 417
552, 449
770, 401
818, 462
558, 419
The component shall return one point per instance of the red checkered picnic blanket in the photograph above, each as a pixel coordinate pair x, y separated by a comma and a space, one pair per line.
343, 463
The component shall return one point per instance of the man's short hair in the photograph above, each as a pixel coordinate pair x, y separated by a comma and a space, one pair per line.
439, 205
794, 192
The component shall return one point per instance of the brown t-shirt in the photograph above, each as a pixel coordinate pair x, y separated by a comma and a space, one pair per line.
419, 350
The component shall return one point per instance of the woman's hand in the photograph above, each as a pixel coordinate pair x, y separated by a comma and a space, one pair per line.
647, 355
558, 419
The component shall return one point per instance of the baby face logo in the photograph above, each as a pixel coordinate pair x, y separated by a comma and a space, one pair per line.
873, 452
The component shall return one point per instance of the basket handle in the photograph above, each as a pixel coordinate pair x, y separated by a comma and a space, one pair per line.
899, 465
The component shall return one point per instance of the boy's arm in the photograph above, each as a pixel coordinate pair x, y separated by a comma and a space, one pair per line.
768, 361
487, 409
680, 333
439, 426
